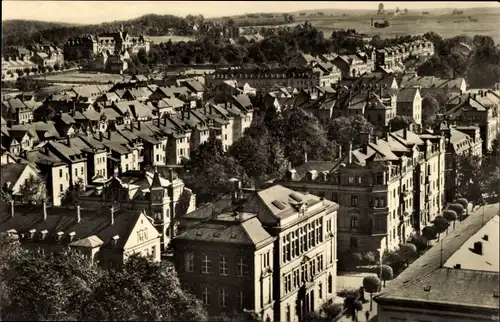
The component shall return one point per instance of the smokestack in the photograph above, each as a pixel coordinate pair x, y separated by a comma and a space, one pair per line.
112, 210
44, 205
78, 215
12, 212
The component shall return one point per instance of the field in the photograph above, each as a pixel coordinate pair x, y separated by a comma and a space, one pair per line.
82, 78
414, 25
160, 39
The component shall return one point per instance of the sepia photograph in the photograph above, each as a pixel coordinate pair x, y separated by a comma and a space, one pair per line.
258, 161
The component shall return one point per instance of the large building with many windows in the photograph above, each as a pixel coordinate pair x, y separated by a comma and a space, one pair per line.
388, 189
272, 252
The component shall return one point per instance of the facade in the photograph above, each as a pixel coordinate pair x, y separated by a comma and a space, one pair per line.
288, 244
110, 43
107, 238
409, 103
387, 190
456, 280
263, 80
14, 176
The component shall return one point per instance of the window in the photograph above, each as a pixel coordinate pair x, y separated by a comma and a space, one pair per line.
61, 187
354, 222
265, 259
351, 179
354, 242
222, 297
354, 201
223, 270
206, 265
60, 173
320, 290
206, 296
288, 283
81, 171
241, 268
189, 262
142, 235
153, 251
239, 299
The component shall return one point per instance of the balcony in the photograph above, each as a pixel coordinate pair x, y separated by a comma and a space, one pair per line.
380, 210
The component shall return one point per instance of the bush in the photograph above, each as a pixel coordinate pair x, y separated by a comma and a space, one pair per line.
429, 232
440, 224
348, 260
348, 292
331, 310
463, 202
420, 242
387, 273
458, 208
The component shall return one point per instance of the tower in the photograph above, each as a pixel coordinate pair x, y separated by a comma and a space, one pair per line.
159, 209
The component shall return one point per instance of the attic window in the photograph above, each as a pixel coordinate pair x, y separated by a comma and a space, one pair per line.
59, 235
216, 235
114, 240
198, 233
496, 294
43, 233
233, 236
32, 233
295, 197
427, 288
71, 235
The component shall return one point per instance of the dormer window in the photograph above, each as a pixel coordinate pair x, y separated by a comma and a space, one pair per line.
114, 240
71, 236
43, 234
32, 233
59, 236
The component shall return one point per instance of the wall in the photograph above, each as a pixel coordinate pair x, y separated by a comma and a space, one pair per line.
57, 181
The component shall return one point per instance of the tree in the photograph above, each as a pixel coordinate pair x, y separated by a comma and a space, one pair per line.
430, 108
47, 287
34, 70
420, 243
57, 66
70, 196
429, 232
387, 273
209, 169
19, 72
463, 202
407, 251
440, 225
331, 310
371, 284
469, 177
304, 134
458, 208
400, 122
344, 130
33, 190
50, 69
142, 290
450, 215
9, 248
142, 56
493, 185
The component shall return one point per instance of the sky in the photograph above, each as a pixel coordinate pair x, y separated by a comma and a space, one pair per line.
90, 12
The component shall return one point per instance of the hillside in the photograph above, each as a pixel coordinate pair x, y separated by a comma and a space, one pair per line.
23, 32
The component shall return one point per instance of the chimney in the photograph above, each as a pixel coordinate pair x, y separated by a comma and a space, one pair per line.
478, 248
131, 126
225, 104
210, 109
339, 147
485, 237
139, 125
78, 215
205, 109
100, 136
405, 133
349, 159
12, 208
44, 205
68, 141
171, 174
112, 210
365, 137
305, 157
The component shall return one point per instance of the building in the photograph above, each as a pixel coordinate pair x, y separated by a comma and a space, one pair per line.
409, 103
478, 109
110, 43
456, 280
277, 245
15, 175
107, 238
161, 199
265, 79
459, 140
387, 190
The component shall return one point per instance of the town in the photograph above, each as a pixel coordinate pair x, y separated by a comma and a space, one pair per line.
249, 174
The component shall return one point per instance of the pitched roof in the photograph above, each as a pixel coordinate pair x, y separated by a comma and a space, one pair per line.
11, 172
433, 277
407, 95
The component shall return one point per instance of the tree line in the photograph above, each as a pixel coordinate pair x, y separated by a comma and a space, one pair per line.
480, 65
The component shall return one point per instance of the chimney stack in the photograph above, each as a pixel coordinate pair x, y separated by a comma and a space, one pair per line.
171, 175
68, 141
100, 136
339, 147
478, 248
112, 210
405, 133
139, 125
44, 206
305, 157
78, 215
12, 212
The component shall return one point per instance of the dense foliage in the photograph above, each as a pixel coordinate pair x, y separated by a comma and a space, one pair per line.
480, 65
67, 286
